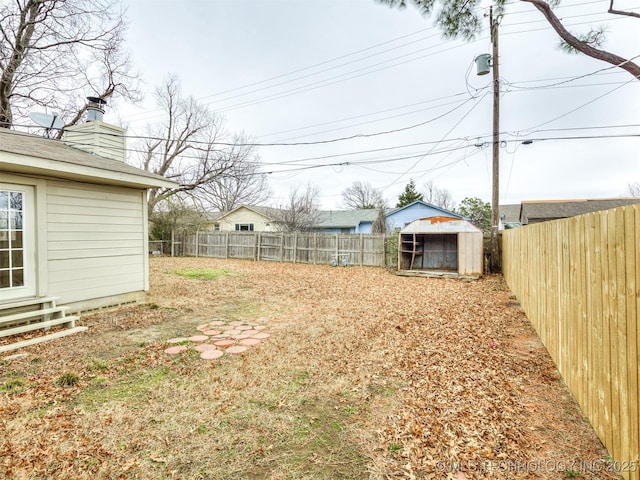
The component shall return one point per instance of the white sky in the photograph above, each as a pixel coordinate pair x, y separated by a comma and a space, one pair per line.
364, 68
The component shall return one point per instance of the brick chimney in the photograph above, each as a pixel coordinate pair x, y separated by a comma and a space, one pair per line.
95, 136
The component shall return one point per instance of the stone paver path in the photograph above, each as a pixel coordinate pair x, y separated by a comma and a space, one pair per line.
217, 338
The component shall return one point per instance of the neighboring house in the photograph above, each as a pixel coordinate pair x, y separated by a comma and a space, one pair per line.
245, 218
536, 211
73, 225
398, 218
253, 218
509, 216
346, 221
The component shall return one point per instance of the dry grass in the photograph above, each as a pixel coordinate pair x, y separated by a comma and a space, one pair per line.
366, 376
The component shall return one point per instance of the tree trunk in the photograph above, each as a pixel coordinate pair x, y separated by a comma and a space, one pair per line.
581, 46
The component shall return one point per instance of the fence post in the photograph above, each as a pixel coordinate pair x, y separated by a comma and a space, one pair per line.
226, 245
281, 247
257, 245
361, 249
173, 239
197, 242
315, 248
295, 247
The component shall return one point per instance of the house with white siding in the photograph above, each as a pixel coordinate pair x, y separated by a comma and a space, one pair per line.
73, 225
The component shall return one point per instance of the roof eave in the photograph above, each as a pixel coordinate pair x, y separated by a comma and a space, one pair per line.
22, 164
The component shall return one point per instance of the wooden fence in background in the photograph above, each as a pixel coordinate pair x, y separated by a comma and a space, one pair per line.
314, 248
578, 281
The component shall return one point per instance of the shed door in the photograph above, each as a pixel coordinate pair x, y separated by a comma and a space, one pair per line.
17, 242
441, 252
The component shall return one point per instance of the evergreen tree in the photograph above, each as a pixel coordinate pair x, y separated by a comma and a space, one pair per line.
478, 213
409, 195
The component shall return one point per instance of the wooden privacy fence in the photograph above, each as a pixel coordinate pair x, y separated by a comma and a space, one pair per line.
578, 281
315, 248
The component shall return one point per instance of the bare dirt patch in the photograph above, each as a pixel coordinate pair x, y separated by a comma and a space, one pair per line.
364, 375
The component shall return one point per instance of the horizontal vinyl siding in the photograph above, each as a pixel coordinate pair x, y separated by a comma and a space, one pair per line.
95, 241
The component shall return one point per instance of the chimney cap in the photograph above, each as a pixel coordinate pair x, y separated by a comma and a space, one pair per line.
98, 100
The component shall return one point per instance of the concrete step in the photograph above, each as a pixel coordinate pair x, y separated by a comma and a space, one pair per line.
51, 301
69, 321
44, 338
32, 314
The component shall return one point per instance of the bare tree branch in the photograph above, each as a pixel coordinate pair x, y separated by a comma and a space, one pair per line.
52, 50
299, 213
187, 148
582, 46
361, 195
621, 12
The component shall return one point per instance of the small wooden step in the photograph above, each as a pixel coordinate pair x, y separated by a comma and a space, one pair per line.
69, 321
44, 338
30, 301
16, 317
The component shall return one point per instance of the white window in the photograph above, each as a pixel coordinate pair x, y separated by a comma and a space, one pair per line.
17, 247
244, 227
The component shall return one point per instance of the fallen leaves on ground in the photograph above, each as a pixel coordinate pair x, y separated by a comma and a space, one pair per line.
366, 375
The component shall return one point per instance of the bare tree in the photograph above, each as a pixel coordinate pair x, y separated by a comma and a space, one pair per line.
361, 195
439, 197
299, 212
242, 183
380, 223
633, 189
188, 147
463, 18
55, 52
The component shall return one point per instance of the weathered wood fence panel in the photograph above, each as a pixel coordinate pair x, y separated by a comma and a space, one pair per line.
314, 248
578, 280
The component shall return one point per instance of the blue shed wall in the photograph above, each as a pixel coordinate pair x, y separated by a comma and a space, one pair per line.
402, 217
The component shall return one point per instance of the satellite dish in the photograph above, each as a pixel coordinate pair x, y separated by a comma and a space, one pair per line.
47, 120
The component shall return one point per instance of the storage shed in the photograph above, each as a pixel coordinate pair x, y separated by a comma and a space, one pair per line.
440, 246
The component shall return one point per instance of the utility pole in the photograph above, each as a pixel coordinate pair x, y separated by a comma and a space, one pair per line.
495, 193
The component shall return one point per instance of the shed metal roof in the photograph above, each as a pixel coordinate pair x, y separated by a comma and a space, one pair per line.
426, 225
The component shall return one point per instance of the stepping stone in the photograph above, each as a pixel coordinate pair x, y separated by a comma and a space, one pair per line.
236, 323
203, 347
233, 332
217, 323
250, 332
211, 354
177, 340
211, 333
175, 350
261, 336
199, 338
243, 327
250, 342
259, 327
236, 350
225, 343
202, 327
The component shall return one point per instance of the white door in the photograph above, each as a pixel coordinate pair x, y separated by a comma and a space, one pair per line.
17, 242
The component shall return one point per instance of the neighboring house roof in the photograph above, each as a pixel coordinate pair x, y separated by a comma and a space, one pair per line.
445, 212
345, 218
534, 211
267, 212
31, 154
510, 213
